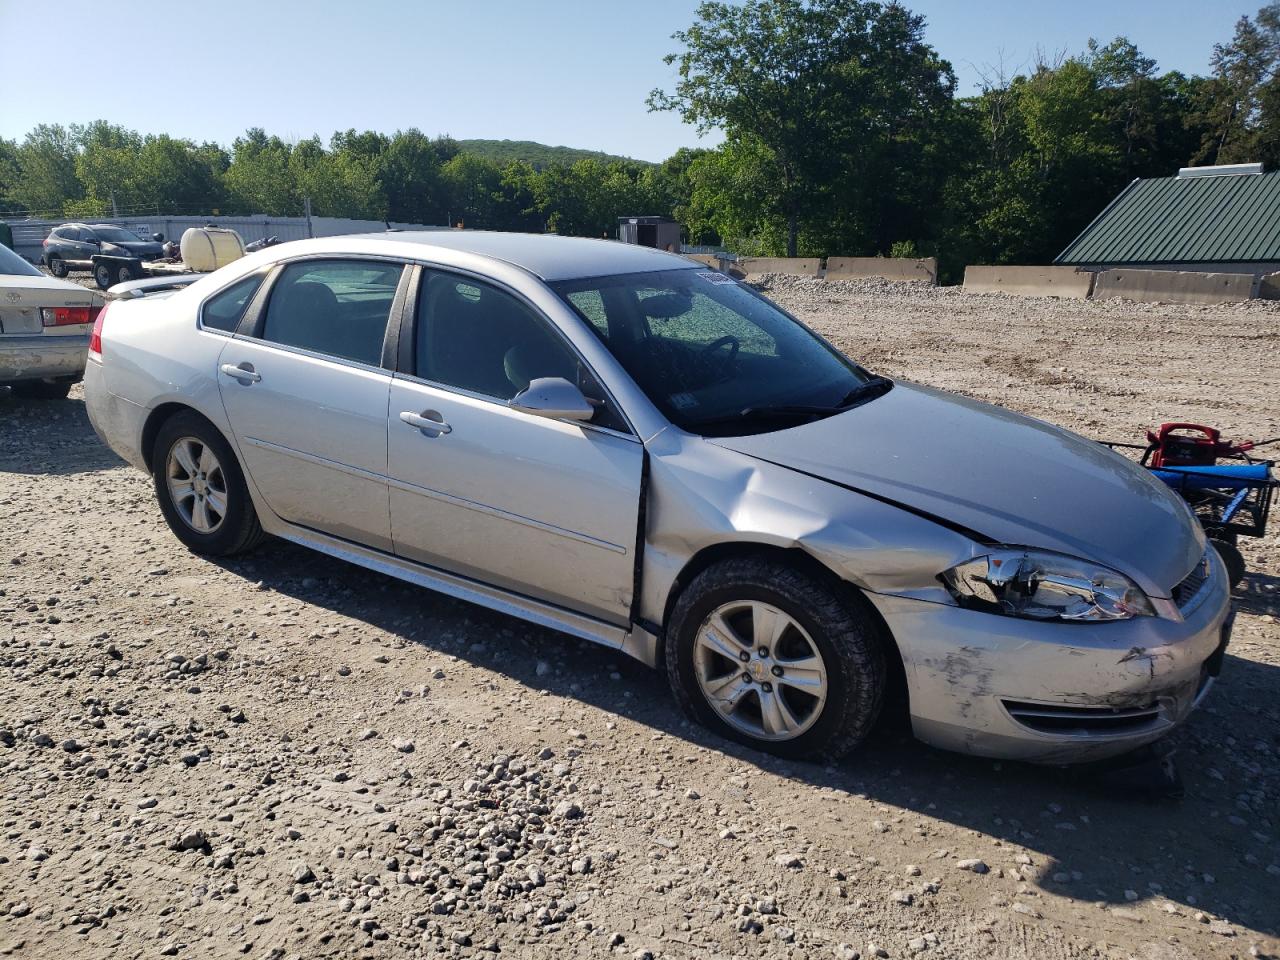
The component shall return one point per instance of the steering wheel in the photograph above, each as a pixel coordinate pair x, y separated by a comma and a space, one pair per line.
730, 341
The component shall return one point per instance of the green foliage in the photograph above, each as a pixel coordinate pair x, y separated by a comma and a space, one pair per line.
537, 155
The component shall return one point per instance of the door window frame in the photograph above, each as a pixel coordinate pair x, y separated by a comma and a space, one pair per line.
255, 315
406, 353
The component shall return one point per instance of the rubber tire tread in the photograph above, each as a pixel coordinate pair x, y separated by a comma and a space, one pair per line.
836, 616
240, 531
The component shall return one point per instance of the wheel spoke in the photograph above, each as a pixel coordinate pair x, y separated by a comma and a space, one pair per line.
200, 516
718, 637
217, 502
804, 674
208, 462
722, 685
182, 490
767, 625
775, 715
182, 454
731, 694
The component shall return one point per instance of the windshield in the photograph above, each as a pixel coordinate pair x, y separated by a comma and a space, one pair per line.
13, 265
714, 356
115, 235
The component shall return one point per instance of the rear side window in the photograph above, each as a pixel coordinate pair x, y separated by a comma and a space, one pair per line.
335, 307
223, 310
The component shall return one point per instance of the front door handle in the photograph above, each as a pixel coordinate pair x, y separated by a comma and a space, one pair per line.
429, 422
244, 373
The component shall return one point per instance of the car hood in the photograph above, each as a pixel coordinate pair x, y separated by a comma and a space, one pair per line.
1003, 476
141, 248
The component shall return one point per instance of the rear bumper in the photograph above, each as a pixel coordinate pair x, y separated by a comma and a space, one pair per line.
1051, 692
40, 357
117, 422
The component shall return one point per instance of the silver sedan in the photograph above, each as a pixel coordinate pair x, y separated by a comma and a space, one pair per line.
44, 329
625, 446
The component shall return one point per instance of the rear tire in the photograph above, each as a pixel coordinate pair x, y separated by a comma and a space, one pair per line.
102, 276
812, 692
43, 389
126, 273
57, 266
206, 502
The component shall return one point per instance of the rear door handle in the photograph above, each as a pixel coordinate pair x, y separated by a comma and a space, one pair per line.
244, 373
429, 422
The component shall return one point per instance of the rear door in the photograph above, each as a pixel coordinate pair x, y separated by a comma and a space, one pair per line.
545, 508
305, 390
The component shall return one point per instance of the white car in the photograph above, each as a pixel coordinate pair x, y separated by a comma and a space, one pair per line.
44, 329
618, 443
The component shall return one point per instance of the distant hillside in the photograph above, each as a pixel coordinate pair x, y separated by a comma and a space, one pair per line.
538, 154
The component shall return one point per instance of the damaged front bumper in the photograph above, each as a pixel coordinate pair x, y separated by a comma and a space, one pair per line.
1046, 692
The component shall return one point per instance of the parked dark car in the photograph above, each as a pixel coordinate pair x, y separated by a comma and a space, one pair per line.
73, 245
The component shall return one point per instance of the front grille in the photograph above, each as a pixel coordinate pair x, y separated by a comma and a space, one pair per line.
1064, 719
1186, 591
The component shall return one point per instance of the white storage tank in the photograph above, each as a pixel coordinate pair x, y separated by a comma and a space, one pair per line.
205, 249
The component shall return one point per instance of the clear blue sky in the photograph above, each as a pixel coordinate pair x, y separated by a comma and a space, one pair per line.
571, 72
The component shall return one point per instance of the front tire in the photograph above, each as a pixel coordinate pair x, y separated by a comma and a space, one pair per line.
57, 266
770, 656
201, 489
102, 276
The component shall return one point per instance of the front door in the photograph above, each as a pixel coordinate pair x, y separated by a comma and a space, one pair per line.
542, 507
306, 397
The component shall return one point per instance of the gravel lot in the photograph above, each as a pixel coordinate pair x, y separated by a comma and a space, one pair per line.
286, 756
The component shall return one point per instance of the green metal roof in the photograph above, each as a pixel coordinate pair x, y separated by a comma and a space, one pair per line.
1205, 219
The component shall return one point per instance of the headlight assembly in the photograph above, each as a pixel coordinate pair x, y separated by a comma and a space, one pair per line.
1039, 585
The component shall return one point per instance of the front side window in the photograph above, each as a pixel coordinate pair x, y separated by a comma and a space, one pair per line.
715, 357
223, 310
335, 307
481, 339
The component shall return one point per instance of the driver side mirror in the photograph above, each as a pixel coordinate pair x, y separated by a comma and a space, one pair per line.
553, 397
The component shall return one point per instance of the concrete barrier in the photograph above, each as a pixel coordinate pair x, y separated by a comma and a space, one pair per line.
1174, 286
705, 259
1269, 287
1030, 281
753, 267
890, 268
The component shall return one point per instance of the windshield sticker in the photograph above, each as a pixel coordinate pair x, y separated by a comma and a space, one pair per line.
717, 277
683, 401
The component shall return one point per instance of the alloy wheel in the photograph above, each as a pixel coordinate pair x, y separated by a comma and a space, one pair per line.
196, 484
760, 670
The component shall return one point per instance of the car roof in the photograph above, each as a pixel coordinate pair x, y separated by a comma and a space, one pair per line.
547, 256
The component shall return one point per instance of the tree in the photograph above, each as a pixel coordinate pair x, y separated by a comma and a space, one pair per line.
46, 160
259, 179
1233, 107
410, 177
819, 86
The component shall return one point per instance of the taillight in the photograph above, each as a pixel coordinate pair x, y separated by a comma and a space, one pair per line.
64, 316
95, 338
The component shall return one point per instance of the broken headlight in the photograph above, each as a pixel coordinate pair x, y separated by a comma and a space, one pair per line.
1039, 585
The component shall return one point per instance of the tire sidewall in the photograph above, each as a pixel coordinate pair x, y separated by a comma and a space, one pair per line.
224, 540
57, 267
691, 613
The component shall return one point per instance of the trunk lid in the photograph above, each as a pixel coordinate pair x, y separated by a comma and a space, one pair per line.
21, 299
